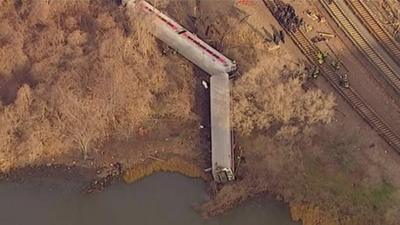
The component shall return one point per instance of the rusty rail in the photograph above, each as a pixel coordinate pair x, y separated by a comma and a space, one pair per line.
364, 44
349, 94
376, 28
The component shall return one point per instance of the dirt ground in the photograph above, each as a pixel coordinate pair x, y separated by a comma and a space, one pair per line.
329, 172
342, 167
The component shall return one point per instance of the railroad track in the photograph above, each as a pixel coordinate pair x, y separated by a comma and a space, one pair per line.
349, 94
365, 45
375, 27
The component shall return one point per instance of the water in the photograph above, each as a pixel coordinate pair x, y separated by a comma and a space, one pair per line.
161, 199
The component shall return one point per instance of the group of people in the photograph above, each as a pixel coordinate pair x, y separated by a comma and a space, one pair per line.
286, 15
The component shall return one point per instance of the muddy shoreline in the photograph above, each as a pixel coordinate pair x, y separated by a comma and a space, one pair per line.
159, 119
21, 175
95, 180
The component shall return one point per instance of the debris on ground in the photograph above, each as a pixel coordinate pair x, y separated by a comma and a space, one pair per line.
315, 17
107, 176
326, 34
318, 38
205, 84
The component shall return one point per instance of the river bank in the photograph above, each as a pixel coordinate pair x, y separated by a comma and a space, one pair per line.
87, 176
94, 90
250, 184
163, 198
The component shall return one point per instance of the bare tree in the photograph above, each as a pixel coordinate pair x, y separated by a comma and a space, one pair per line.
263, 97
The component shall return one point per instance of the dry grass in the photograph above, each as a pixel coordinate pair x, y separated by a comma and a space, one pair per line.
173, 164
75, 74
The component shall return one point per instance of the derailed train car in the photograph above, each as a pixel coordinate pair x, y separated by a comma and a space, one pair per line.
219, 67
183, 41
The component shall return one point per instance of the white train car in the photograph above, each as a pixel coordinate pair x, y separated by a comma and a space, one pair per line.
183, 41
219, 67
222, 156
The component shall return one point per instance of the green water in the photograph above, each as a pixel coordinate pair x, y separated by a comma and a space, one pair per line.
161, 199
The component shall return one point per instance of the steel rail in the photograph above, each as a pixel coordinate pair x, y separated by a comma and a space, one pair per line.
349, 94
362, 11
363, 44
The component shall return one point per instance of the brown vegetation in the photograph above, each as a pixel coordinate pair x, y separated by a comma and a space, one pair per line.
293, 145
78, 77
265, 96
172, 164
74, 76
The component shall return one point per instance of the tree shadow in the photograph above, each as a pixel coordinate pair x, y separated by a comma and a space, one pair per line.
9, 87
